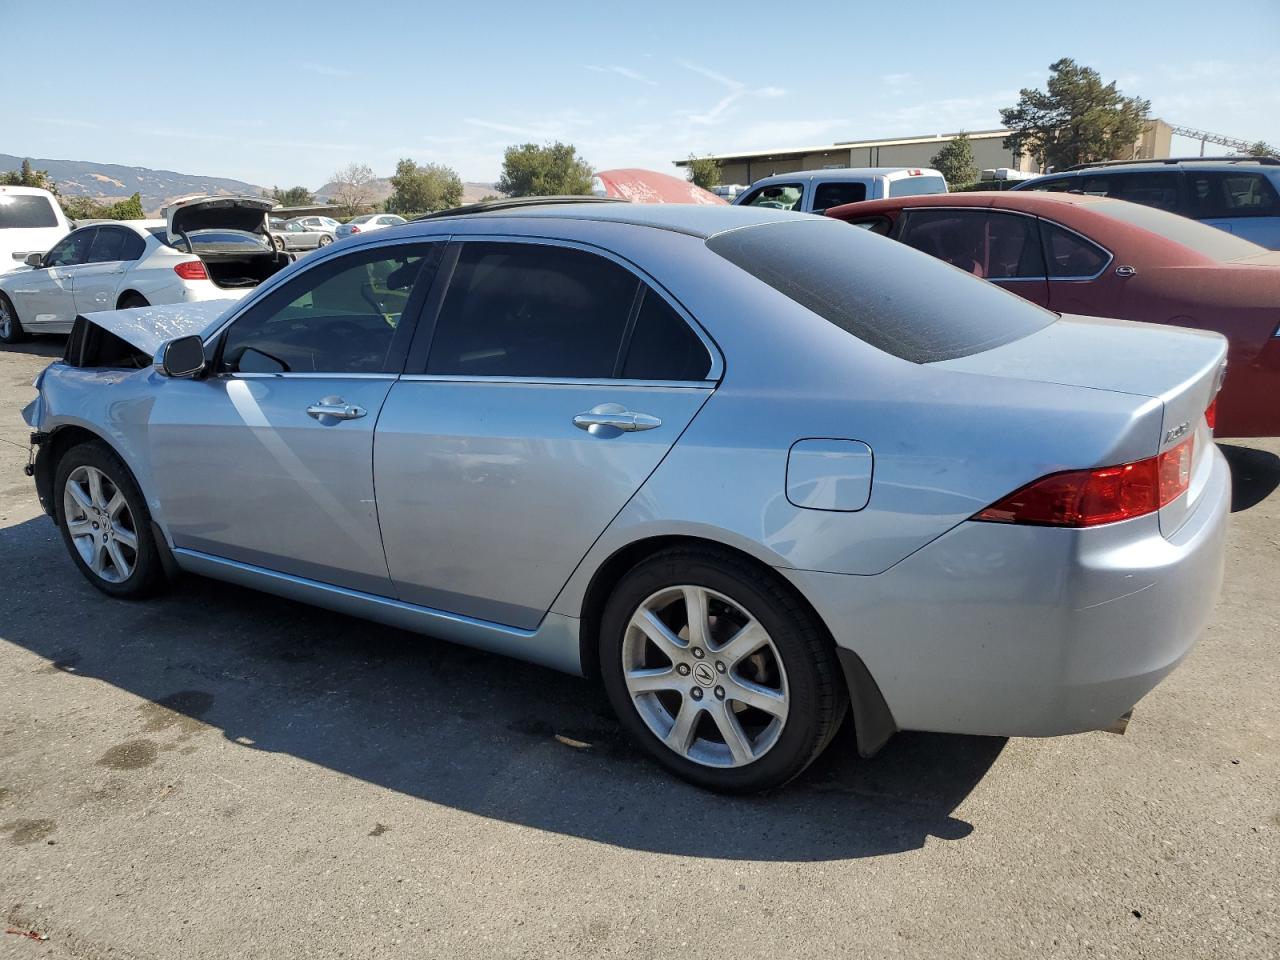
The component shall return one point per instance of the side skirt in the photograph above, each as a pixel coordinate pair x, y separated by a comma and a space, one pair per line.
553, 644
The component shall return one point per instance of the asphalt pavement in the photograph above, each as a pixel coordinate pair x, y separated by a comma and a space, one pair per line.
217, 773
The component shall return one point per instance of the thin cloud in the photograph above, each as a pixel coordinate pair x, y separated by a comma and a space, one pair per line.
712, 75
896, 79
530, 133
627, 72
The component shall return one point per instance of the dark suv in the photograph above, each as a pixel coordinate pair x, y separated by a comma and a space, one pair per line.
1238, 194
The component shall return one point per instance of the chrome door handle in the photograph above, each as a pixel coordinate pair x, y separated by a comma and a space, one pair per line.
337, 408
617, 416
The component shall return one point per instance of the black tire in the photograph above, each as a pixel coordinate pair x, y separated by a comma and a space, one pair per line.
818, 698
10, 326
131, 300
324, 240
147, 574
278, 242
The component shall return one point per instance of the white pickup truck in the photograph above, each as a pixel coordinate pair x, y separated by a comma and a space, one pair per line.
813, 191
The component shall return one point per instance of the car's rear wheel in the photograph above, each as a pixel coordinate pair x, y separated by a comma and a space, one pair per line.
277, 242
719, 670
325, 240
131, 300
105, 523
10, 326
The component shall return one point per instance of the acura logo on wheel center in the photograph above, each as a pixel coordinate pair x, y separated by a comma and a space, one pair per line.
703, 673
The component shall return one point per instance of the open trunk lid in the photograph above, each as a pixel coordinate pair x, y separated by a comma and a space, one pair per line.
1181, 368
247, 214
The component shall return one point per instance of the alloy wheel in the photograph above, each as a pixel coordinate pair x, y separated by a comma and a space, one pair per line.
705, 676
100, 524
6, 321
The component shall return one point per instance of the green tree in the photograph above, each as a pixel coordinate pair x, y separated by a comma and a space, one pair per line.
421, 188
87, 208
955, 162
293, 197
529, 170
29, 177
1263, 149
703, 172
1079, 119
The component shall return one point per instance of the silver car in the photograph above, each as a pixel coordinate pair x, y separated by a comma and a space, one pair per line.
303, 233
752, 470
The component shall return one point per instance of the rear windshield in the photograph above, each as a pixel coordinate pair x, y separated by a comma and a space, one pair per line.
26, 211
915, 186
898, 300
1203, 239
222, 241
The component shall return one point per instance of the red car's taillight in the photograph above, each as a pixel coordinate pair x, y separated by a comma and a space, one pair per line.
1086, 498
191, 270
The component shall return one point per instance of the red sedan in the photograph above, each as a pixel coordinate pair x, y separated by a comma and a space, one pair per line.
1108, 258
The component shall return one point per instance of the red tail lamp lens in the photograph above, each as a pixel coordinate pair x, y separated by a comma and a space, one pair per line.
1211, 414
191, 270
1087, 498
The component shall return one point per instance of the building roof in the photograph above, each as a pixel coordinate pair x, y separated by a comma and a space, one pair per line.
844, 145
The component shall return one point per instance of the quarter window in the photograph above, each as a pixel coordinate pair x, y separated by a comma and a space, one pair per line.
1233, 194
1070, 256
532, 310
339, 317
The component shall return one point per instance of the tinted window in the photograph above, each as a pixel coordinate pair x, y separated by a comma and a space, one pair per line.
71, 249
827, 195
113, 243
663, 347
233, 242
1159, 190
1071, 256
915, 186
1231, 194
782, 196
531, 310
997, 246
340, 317
26, 211
880, 291
1060, 185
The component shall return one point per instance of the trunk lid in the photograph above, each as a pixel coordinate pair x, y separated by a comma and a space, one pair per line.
1182, 368
247, 214
148, 328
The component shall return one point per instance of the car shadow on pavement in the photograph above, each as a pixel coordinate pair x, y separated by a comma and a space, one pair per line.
480, 733
1254, 475
38, 346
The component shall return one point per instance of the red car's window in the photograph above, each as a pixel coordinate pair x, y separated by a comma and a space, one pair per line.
990, 244
1071, 256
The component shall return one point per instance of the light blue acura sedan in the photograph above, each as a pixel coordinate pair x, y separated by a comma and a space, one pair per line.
753, 471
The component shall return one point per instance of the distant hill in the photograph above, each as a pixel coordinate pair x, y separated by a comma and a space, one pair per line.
112, 181
381, 189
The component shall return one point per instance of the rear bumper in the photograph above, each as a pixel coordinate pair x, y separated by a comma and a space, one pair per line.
1008, 630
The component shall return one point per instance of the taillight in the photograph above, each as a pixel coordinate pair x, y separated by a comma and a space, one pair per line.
191, 270
355, 229
1211, 414
1087, 498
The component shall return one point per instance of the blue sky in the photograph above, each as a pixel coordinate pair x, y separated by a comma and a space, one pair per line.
283, 92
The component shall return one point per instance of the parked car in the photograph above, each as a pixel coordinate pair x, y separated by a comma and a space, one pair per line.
31, 221
304, 233
744, 466
813, 191
204, 250
1109, 258
370, 221
1240, 195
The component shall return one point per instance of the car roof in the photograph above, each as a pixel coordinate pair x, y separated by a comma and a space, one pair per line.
840, 174
25, 191
694, 219
1232, 164
1028, 201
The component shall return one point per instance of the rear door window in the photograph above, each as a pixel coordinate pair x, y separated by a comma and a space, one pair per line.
1070, 256
110, 245
986, 243
532, 310
1054, 185
828, 195
1156, 189
778, 196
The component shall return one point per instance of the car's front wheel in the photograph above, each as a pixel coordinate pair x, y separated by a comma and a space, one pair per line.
105, 523
719, 670
10, 326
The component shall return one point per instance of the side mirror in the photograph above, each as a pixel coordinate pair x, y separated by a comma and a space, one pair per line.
183, 357
35, 260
